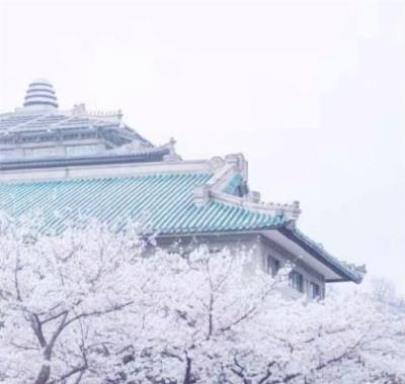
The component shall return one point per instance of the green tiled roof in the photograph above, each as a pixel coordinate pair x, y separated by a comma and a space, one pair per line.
162, 203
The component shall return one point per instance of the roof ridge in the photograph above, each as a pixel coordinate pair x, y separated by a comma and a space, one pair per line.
289, 210
34, 118
76, 179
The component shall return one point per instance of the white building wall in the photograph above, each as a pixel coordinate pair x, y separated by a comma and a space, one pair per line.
260, 250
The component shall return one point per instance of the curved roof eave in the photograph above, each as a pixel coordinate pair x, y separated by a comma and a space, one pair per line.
322, 255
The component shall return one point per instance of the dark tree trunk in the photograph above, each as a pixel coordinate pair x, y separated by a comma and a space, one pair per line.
187, 377
43, 375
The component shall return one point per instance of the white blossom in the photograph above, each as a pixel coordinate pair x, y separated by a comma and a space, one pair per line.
96, 305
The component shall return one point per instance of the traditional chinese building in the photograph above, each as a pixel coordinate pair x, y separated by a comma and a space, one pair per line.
74, 164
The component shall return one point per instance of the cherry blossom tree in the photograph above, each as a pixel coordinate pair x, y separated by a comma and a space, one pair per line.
92, 304
342, 340
224, 321
345, 339
57, 296
202, 299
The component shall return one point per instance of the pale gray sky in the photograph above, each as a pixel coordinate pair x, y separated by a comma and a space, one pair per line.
313, 93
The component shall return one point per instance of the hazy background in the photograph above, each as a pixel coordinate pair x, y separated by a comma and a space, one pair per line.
313, 94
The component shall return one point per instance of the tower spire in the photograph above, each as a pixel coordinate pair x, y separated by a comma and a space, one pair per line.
40, 95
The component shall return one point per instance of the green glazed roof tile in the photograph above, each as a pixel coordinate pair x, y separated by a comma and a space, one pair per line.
161, 202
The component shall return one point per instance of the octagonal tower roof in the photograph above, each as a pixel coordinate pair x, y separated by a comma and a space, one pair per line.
40, 95
40, 134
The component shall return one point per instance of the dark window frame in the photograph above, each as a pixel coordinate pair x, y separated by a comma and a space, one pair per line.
315, 290
297, 281
273, 265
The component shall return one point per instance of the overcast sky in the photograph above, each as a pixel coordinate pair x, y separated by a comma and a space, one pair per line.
312, 93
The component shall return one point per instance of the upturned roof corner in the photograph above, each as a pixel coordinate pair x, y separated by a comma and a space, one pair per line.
224, 172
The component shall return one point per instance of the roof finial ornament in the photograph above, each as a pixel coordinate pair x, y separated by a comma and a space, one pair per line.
79, 109
172, 155
40, 95
172, 144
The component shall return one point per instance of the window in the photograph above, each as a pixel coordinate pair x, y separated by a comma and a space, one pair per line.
273, 265
315, 290
297, 281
